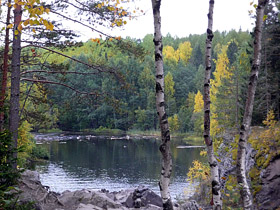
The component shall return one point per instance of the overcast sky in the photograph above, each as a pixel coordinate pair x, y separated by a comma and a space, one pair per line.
183, 17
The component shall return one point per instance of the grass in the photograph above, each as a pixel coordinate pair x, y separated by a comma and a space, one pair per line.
135, 132
190, 137
53, 130
193, 137
105, 131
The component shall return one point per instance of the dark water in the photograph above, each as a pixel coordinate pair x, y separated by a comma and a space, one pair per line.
113, 164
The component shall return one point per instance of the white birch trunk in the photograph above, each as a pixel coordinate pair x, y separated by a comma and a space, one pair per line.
215, 180
245, 192
166, 162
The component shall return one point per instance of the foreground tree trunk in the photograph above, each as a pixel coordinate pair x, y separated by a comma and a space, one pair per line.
166, 164
15, 79
215, 181
5, 69
246, 196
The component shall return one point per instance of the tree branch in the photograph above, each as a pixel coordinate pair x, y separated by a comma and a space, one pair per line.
98, 68
58, 72
76, 21
61, 84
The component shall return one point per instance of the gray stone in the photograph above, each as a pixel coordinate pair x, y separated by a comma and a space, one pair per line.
88, 207
142, 197
268, 197
101, 200
191, 205
150, 207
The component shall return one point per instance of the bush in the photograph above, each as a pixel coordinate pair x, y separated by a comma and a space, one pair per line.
39, 152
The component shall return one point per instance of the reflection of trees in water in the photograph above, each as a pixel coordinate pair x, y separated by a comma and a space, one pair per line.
134, 160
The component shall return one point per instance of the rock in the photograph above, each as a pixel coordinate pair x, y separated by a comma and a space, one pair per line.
122, 195
98, 199
191, 205
31, 175
268, 197
88, 207
151, 207
142, 197
101, 200
34, 191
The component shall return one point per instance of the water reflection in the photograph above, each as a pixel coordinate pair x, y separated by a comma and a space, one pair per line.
113, 164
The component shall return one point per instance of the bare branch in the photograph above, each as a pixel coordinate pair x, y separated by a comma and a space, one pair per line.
98, 68
76, 21
61, 84
58, 72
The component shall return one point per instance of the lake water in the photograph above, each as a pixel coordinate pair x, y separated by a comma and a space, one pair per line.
102, 163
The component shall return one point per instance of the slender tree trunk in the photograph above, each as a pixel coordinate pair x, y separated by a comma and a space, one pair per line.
5, 69
237, 103
216, 193
166, 165
15, 78
266, 77
246, 196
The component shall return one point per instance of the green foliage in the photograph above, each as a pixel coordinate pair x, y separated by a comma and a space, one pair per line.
25, 143
9, 175
107, 131
173, 123
142, 119
266, 141
39, 152
231, 193
37, 111
131, 105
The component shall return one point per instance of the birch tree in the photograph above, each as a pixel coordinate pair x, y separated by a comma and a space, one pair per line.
246, 196
216, 193
166, 165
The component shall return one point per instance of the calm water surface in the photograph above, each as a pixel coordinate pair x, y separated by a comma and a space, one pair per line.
98, 163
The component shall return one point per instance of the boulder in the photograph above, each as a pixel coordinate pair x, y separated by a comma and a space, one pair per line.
191, 205
86, 197
268, 197
88, 207
141, 197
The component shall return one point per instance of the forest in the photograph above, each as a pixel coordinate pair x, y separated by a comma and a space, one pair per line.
52, 83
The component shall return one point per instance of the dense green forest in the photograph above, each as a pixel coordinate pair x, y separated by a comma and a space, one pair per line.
50, 82
127, 100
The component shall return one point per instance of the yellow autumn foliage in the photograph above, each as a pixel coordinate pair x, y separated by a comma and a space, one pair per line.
199, 103
222, 72
25, 143
170, 54
266, 141
198, 172
184, 52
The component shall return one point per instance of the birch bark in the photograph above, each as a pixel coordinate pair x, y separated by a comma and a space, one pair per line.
246, 196
166, 162
215, 181
15, 78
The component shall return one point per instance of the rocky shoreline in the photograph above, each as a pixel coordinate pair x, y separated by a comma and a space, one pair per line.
140, 198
